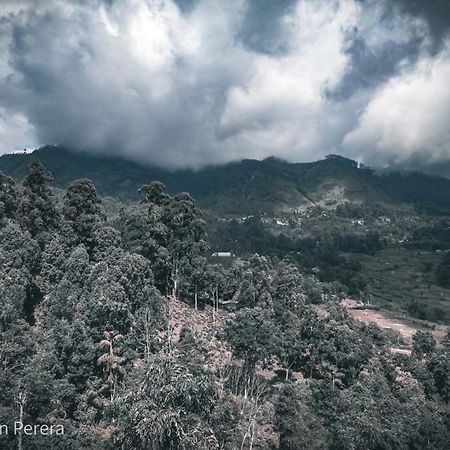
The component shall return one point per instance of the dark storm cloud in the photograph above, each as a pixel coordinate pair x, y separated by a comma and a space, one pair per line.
369, 67
94, 85
435, 12
189, 82
186, 5
262, 28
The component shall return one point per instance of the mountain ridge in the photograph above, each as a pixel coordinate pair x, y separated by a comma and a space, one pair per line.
246, 186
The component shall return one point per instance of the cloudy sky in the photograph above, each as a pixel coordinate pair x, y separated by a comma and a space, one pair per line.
183, 83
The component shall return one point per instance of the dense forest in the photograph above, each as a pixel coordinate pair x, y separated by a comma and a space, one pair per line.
119, 327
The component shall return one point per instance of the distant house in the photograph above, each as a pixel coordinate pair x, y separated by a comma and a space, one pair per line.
223, 254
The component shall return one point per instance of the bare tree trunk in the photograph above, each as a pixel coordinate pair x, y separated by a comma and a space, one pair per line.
147, 334
19, 439
196, 298
175, 279
111, 355
215, 302
169, 329
244, 439
252, 435
217, 297
175, 286
22, 397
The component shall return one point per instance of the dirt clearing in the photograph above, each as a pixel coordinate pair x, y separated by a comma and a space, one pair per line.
388, 320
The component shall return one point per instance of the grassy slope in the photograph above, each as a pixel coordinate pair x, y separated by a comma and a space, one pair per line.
399, 276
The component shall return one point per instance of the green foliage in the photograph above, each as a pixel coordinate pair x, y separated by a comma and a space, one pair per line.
443, 272
8, 197
169, 231
298, 425
167, 408
423, 343
93, 334
81, 209
376, 414
36, 210
250, 334
154, 193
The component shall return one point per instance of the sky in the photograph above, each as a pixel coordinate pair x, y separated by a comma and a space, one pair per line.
184, 83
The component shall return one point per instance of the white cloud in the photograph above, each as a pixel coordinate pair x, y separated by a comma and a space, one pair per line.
145, 80
283, 108
16, 133
408, 118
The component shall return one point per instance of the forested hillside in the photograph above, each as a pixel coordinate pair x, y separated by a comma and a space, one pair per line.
118, 326
244, 187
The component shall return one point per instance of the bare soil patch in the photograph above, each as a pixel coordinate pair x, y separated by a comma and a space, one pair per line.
387, 320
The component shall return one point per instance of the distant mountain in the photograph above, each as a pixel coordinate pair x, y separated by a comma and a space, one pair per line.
247, 186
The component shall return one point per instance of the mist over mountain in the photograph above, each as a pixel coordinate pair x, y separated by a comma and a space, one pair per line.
184, 84
246, 186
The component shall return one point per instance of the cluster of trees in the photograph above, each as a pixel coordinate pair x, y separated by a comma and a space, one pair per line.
432, 236
343, 387
443, 272
87, 341
435, 237
363, 210
83, 299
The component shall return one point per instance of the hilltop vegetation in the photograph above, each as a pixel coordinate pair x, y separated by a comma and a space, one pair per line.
118, 326
244, 187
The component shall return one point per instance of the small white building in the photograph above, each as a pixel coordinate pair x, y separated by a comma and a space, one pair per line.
223, 254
